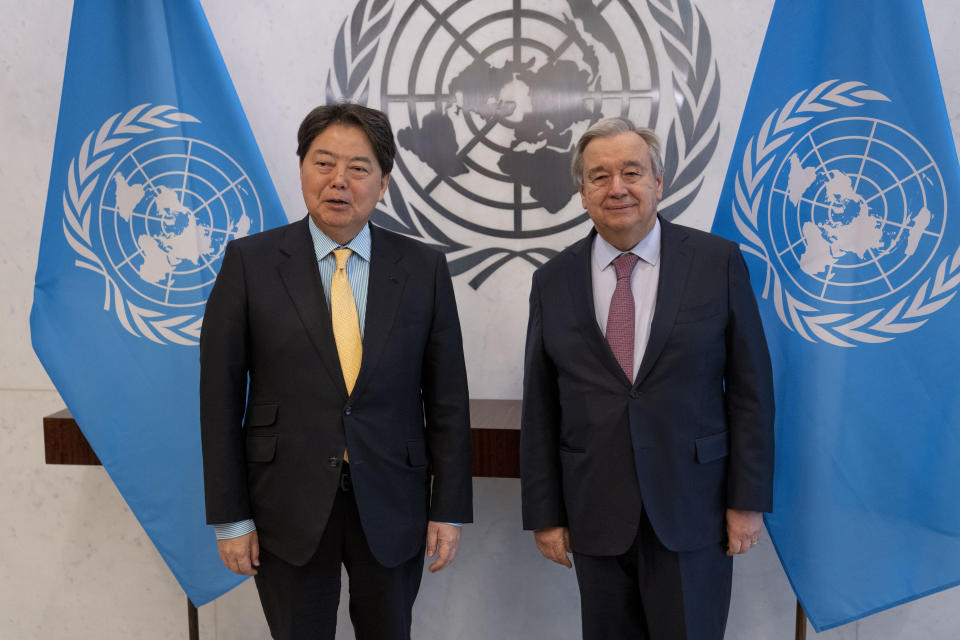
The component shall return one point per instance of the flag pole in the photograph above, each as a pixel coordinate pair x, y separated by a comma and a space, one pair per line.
801, 632
193, 622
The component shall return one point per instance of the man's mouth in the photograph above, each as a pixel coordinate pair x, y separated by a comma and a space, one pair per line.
337, 202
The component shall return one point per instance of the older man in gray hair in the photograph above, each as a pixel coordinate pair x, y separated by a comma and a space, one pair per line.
647, 434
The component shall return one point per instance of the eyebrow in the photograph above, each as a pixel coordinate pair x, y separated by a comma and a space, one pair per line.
333, 155
628, 164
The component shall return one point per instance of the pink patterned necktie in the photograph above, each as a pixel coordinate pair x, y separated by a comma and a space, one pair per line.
621, 319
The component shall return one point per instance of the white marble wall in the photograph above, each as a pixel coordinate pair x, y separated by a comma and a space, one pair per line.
75, 563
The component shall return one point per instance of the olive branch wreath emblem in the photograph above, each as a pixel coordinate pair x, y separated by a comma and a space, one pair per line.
690, 143
696, 84
83, 176
839, 329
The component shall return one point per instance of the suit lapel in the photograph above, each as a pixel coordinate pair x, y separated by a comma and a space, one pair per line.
301, 277
581, 293
674, 266
384, 290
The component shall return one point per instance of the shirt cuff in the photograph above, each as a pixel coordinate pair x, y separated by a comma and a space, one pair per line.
229, 530
453, 524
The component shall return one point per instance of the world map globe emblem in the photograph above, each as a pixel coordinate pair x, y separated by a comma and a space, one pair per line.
166, 212
857, 211
488, 98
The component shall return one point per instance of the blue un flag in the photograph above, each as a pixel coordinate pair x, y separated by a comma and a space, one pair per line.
154, 170
844, 193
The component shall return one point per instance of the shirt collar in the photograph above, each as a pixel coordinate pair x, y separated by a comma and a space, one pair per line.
323, 245
647, 249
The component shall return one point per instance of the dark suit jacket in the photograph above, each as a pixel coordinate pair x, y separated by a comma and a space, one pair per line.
690, 438
267, 325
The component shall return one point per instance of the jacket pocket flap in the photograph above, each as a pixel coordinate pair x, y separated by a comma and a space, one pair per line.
261, 448
416, 453
262, 415
710, 448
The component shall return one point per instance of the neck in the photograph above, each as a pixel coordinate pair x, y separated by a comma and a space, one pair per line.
341, 236
628, 240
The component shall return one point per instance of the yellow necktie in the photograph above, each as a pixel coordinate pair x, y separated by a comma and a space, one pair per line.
346, 325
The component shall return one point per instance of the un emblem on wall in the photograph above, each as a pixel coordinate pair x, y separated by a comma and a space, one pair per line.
154, 221
855, 215
488, 98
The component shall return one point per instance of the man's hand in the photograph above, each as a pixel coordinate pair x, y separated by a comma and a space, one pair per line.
242, 554
554, 544
443, 540
743, 530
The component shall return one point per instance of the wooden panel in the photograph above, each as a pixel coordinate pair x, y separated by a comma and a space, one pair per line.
496, 453
63, 442
495, 435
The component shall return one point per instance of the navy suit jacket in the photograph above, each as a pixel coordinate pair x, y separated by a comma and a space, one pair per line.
690, 438
269, 362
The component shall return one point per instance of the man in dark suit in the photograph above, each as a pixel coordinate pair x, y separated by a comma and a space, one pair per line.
336, 345
647, 431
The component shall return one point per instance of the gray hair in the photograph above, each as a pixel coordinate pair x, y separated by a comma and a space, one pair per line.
608, 128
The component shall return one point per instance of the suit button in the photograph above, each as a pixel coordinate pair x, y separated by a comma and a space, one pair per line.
333, 460
635, 394
346, 410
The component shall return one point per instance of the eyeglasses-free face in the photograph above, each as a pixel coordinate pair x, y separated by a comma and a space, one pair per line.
620, 191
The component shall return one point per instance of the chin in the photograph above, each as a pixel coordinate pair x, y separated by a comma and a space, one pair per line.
337, 219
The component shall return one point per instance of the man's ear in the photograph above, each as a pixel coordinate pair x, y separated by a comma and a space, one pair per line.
384, 182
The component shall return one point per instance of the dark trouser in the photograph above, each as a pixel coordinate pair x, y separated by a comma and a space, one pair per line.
652, 593
301, 602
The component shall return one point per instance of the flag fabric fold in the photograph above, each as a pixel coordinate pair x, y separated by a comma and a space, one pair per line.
155, 169
844, 193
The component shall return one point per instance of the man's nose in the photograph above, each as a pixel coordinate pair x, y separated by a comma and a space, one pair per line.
617, 186
339, 177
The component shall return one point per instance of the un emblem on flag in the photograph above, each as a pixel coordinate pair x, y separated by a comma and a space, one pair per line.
153, 215
850, 210
849, 213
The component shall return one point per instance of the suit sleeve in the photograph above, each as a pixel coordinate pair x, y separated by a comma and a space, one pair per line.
224, 352
748, 381
541, 479
446, 405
